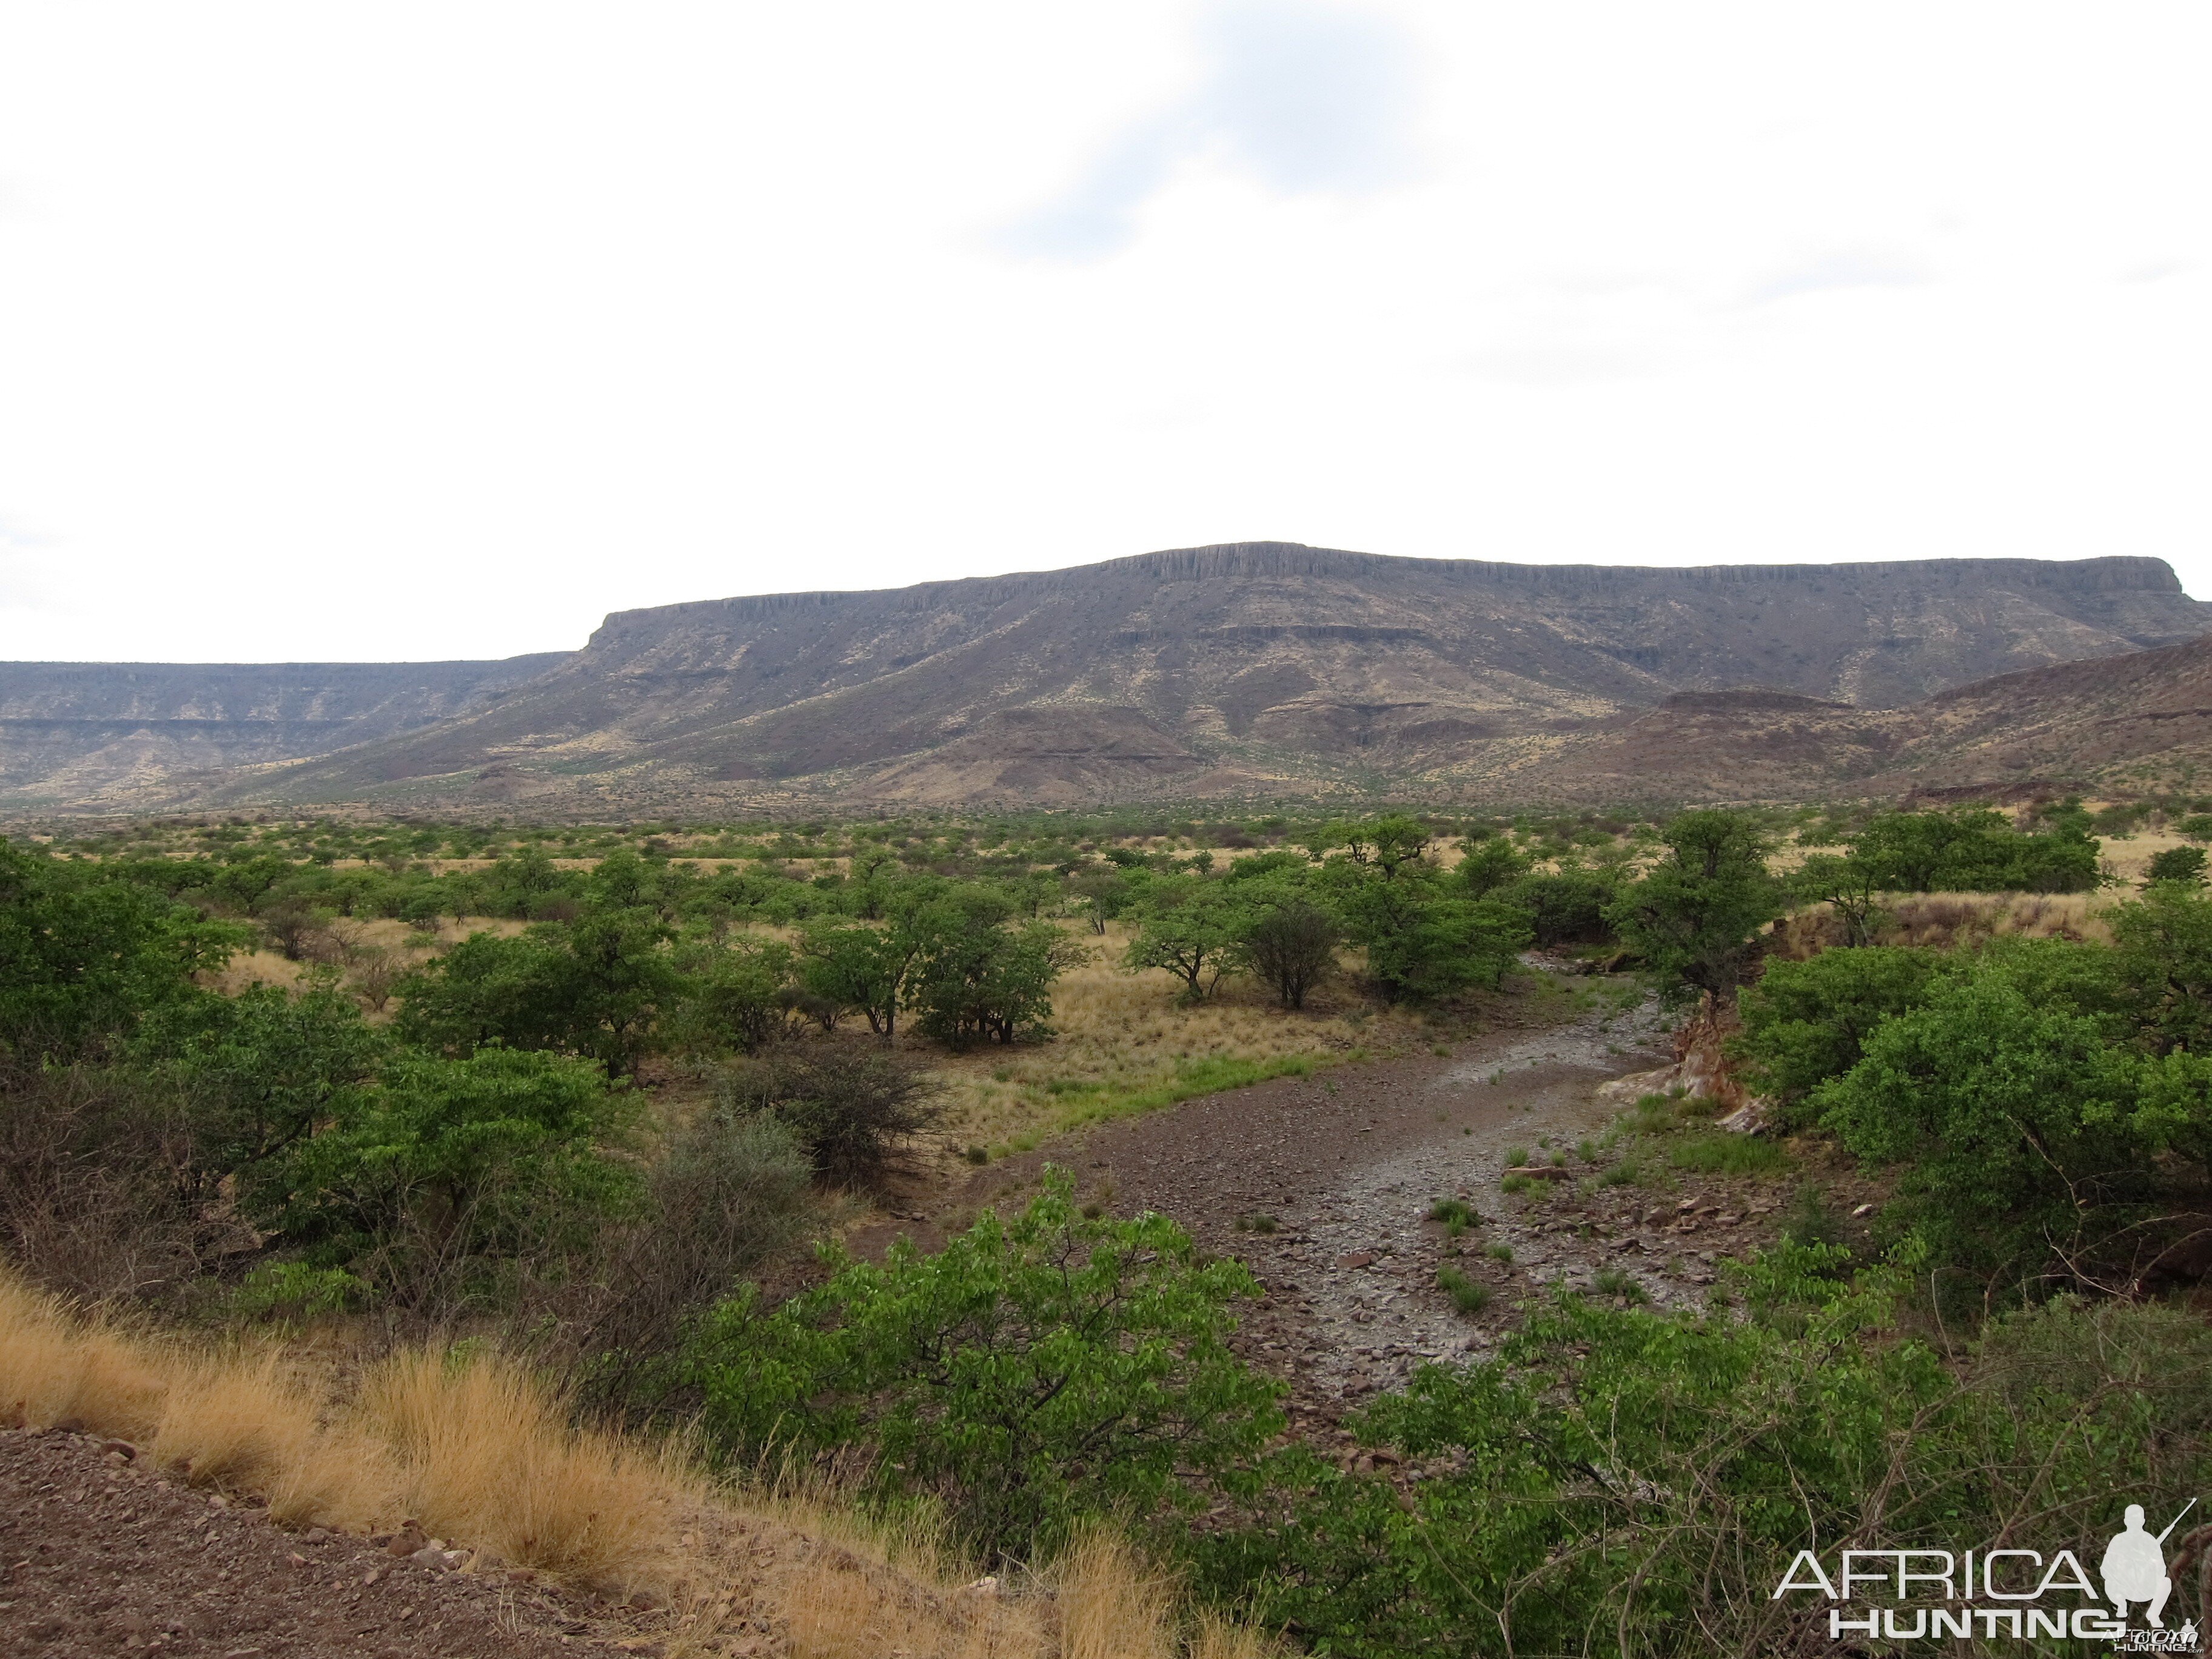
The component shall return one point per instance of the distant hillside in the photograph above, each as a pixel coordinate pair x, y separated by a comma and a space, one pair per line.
86, 732
2140, 718
1255, 668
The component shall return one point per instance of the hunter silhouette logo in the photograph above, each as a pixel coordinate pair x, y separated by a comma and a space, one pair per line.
2135, 1565
1936, 1594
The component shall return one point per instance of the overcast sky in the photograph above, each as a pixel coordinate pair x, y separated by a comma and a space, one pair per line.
404, 331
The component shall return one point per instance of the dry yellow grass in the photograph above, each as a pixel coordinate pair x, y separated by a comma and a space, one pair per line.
1125, 1044
355, 941
475, 1449
1949, 918
2130, 858
483, 1454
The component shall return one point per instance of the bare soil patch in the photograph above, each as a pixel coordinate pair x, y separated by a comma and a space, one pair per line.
1324, 1186
98, 1554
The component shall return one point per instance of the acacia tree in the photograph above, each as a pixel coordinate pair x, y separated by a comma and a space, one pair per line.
857, 966
1423, 940
1847, 886
1695, 919
975, 977
1192, 926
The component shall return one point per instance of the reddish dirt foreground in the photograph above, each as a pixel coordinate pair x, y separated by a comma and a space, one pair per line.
101, 1556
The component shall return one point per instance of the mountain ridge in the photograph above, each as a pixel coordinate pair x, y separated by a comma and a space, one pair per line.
1238, 668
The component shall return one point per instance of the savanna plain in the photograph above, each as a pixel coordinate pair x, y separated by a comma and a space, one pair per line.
1136, 1232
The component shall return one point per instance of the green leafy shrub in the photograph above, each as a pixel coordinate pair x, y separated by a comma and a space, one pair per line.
251, 1075
294, 1292
1806, 1022
1035, 1371
2183, 864
1625, 1481
978, 978
1973, 850
1566, 908
733, 996
429, 1181
85, 954
1190, 926
2011, 1115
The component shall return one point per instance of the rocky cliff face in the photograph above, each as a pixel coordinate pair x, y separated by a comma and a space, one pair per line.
1265, 666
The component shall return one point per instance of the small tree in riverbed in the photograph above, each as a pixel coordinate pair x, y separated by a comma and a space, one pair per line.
1695, 919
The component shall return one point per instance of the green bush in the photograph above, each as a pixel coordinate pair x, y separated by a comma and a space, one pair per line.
1566, 908
1695, 918
1619, 1480
1806, 1022
1190, 926
2011, 1115
294, 1292
2182, 864
1035, 1371
598, 988
1488, 864
428, 1182
979, 978
253, 1074
83, 954
2162, 960
732, 998
1973, 850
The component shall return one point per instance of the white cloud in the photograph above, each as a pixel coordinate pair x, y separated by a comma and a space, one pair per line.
2157, 270
427, 331
1302, 95
1558, 364
1831, 269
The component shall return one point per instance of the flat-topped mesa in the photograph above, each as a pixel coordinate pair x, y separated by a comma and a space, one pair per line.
1263, 667
1278, 561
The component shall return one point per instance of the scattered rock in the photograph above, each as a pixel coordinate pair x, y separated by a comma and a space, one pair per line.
1748, 1119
